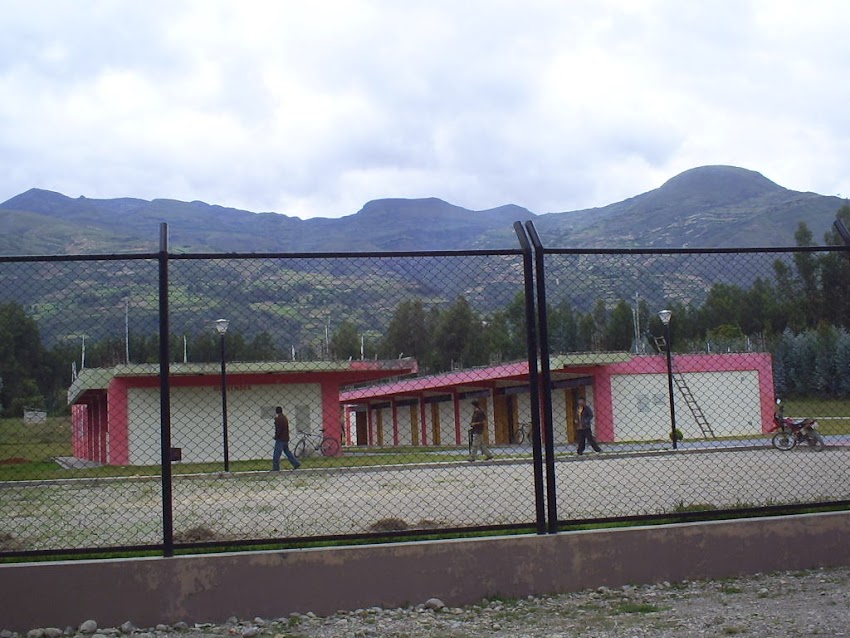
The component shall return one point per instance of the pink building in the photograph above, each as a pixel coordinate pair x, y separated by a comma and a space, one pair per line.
730, 395
116, 411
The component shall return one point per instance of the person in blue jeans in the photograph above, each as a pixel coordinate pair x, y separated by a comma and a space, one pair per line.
281, 441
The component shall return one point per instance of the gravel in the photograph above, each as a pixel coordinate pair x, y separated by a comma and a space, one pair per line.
802, 603
313, 502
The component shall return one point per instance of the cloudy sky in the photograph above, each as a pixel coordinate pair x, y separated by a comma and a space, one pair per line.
313, 108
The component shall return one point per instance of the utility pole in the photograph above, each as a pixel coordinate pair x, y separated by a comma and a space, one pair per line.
126, 330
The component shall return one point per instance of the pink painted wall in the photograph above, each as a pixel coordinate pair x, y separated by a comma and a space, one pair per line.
104, 411
90, 420
119, 437
79, 423
330, 411
760, 362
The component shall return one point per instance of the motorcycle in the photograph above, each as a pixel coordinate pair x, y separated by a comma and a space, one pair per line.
791, 432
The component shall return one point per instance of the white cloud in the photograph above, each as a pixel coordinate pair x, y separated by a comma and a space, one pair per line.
316, 108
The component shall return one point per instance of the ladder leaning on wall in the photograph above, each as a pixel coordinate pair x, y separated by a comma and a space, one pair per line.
685, 391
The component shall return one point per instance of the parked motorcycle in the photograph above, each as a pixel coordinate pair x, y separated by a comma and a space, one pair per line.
791, 432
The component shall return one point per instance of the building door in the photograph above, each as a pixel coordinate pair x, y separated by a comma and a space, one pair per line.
503, 418
362, 427
436, 439
379, 426
414, 424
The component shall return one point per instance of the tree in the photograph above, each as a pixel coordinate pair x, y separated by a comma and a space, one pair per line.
345, 342
842, 363
263, 348
408, 333
585, 333
499, 342
563, 328
835, 276
600, 318
458, 337
726, 337
619, 329
23, 362
807, 271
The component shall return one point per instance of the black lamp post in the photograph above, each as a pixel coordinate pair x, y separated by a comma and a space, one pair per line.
665, 316
221, 329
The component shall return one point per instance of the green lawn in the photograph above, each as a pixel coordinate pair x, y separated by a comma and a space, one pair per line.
37, 444
27, 452
833, 415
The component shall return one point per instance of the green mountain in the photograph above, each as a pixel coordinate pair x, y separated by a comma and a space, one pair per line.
710, 206
706, 207
44, 222
294, 298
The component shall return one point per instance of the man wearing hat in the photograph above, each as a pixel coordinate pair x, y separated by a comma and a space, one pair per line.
476, 427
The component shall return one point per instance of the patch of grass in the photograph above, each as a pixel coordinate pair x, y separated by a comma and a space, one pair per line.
730, 589
636, 608
37, 463
681, 506
817, 408
33, 442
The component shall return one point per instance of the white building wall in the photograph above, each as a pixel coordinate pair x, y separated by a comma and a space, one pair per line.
559, 416
196, 420
404, 425
387, 424
447, 423
729, 400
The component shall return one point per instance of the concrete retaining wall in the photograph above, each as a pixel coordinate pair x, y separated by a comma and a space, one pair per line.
211, 588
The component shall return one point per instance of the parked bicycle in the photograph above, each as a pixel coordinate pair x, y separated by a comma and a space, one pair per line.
523, 433
308, 442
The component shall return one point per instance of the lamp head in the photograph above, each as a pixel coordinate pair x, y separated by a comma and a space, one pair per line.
221, 325
665, 315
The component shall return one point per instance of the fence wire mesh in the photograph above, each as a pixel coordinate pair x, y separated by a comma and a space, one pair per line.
377, 363
685, 414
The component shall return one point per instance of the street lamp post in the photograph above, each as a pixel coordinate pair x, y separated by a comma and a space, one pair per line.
221, 329
665, 316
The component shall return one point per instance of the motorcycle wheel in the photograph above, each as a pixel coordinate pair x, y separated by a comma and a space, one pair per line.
783, 441
815, 440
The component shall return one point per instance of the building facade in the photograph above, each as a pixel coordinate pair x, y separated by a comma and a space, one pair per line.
116, 412
730, 395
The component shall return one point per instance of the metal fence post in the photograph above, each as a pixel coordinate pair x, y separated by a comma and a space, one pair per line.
546, 377
165, 396
533, 379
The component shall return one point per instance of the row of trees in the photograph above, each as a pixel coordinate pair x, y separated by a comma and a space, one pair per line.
30, 375
801, 314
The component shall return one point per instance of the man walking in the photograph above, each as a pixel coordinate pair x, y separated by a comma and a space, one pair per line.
281, 441
476, 427
584, 427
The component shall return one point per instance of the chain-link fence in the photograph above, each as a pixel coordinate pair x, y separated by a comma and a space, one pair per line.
715, 379
405, 389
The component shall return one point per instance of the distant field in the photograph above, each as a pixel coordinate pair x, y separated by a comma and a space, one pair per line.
35, 442
833, 415
27, 450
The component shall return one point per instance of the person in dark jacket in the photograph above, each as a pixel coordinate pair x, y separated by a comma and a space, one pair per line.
281, 441
476, 428
584, 427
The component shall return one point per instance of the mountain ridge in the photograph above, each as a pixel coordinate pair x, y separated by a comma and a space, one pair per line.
708, 206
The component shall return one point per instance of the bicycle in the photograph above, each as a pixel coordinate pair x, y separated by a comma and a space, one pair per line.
309, 442
523, 433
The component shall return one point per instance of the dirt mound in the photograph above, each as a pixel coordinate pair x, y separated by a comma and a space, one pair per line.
15, 460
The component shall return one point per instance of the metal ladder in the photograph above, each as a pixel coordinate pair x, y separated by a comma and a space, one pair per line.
685, 391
